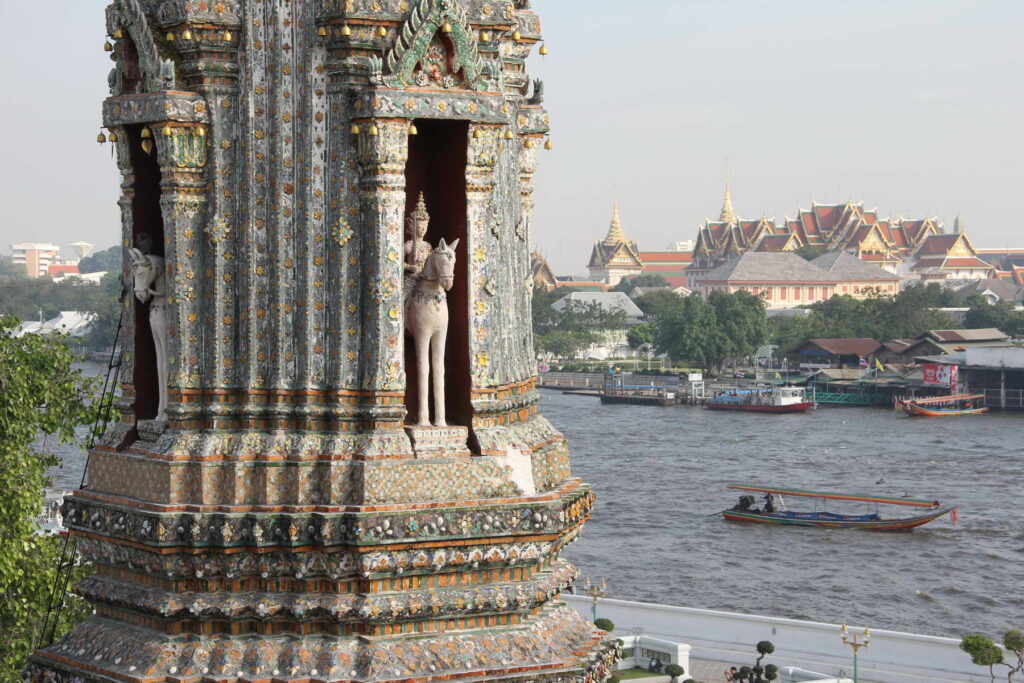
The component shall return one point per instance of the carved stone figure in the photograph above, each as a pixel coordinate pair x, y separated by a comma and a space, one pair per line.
426, 315
150, 285
416, 248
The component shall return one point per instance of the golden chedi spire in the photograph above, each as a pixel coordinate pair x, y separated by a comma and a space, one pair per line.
728, 214
615, 233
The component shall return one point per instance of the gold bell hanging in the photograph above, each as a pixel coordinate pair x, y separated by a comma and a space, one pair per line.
227, 36
528, 144
167, 131
382, 32
118, 34
516, 35
345, 30
508, 134
544, 49
186, 34
485, 36
549, 144
113, 136
201, 131
322, 31
107, 47
446, 27
147, 146
373, 130
477, 134
101, 138
169, 37
355, 130
412, 129
146, 133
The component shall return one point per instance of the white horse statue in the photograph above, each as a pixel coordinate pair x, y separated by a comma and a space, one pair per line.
150, 284
426, 320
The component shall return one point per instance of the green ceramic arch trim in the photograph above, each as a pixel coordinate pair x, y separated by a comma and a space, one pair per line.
418, 32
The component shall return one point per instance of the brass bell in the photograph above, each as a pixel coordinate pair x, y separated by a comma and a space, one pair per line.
508, 134
101, 138
485, 36
147, 146
118, 34
227, 36
169, 37
355, 129
382, 32
146, 132
373, 130
528, 144
113, 136
544, 49
477, 134
322, 31
201, 131
446, 27
412, 129
345, 30
516, 35
167, 131
107, 47
186, 34
549, 144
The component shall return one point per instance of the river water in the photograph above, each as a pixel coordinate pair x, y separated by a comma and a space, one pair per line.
660, 477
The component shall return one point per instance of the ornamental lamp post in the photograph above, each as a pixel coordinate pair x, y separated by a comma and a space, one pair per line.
856, 642
595, 592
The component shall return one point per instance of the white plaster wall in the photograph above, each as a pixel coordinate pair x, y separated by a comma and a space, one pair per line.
892, 657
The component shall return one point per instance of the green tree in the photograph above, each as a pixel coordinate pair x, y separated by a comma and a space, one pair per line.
1000, 315
675, 671
984, 652
627, 284
40, 392
107, 307
659, 304
639, 335
741, 324
100, 261
10, 269
810, 252
688, 333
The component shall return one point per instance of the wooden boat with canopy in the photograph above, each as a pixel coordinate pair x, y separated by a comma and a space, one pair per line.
942, 406
775, 510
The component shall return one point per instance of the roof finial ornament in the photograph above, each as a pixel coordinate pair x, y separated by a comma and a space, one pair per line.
728, 214
615, 232
958, 227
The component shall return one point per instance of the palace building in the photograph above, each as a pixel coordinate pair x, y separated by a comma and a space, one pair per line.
616, 256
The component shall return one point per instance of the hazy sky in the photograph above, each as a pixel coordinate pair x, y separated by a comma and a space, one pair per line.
914, 106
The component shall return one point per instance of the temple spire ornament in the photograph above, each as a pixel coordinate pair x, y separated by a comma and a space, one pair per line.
615, 232
728, 214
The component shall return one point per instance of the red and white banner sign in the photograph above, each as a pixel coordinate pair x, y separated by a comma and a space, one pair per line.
939, 375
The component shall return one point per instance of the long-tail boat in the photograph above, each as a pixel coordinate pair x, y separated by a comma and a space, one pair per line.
776, 512
942, 406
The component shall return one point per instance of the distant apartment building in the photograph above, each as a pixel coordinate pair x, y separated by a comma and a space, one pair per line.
36, 257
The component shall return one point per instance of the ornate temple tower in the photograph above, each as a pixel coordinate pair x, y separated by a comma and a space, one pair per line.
280, 521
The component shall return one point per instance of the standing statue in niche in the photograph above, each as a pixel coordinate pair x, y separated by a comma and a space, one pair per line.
150, 285
430, 273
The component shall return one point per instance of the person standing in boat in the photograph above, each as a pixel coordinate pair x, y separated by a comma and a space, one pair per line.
769, 503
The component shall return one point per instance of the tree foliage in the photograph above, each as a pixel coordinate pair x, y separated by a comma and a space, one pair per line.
984, 652
100, 261
675, 671
759, 673
40, 392
10, 269
628, 284
1001, 315
906, 315
571, 331
809, 252
32, 298
709, 331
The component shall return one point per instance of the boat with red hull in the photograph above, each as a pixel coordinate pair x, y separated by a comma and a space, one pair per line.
745, 510
762, 400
